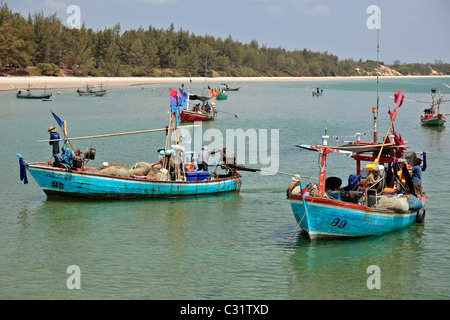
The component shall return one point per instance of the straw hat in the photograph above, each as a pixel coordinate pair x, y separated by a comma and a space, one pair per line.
51, 129
296, 177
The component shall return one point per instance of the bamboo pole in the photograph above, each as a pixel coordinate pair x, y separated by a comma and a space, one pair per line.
387, 133
107, 135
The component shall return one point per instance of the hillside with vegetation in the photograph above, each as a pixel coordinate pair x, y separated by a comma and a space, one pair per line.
43, 45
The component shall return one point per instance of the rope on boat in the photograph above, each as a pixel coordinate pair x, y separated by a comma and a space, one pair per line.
298, 225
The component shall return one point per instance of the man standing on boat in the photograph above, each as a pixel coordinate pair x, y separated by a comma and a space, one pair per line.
416, 176
54, 137
203, 157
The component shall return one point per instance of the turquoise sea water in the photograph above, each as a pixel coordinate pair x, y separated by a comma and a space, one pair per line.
238, 246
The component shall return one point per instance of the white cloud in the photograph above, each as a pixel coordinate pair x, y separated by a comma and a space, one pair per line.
318, 10
52, 4
158, 1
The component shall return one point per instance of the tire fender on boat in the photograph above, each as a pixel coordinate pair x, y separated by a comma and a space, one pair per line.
420, 218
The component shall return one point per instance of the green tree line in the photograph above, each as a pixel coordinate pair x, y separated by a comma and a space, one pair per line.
43, 45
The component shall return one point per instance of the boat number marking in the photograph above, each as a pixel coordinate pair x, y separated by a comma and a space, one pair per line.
57, 184
339, 223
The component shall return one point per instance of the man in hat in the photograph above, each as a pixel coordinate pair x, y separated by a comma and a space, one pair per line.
54, 137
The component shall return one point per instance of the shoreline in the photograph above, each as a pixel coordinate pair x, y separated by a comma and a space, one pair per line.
77, 82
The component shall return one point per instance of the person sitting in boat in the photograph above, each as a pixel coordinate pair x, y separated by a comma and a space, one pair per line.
196, 107
375, 179
65, 158
296, 180
207, 107
54, 137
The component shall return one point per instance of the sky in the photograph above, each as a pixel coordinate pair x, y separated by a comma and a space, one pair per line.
410, 30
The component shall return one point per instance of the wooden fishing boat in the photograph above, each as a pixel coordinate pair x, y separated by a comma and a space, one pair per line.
94, 93
202, 111
172, 179
225, 87
357, 210
88, 184
434, 121
29, 95
432, 116
26, 93
192, 116
91, 92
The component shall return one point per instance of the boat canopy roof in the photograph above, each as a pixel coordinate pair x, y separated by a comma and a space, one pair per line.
363, 148
351, 148
196, 97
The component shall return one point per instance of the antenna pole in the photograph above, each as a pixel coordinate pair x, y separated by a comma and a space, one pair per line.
375, 138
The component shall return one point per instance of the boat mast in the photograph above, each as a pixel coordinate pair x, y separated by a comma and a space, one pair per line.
375, 137
323, 164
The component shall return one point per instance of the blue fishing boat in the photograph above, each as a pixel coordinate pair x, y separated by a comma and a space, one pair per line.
28, 95
379, 197
88, 184
170, 177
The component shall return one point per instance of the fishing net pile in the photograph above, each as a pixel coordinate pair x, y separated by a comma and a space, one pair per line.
138, 170
114, 169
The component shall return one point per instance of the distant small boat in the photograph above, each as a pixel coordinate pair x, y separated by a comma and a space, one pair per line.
191, 116
226, 88
147, 89
20, 95
26, 94
431, 116
317, 92
90, 92
198, 113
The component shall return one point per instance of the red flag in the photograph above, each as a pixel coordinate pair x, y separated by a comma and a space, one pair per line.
401, 101
394, 113
397, 95
174, 93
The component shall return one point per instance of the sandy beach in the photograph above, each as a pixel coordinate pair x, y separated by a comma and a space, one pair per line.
10, 82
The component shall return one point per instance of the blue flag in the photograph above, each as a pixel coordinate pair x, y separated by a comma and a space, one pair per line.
173, 104
60, 122
182, 100
23, 172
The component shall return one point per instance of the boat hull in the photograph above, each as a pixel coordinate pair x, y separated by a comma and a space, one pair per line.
436, 121
188, 116
46, 96
221, 96
56, 181
326, 218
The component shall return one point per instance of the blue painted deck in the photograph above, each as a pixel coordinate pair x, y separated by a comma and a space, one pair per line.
334, 218
56, 181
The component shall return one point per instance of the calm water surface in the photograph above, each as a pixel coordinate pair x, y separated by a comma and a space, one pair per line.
237, 246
